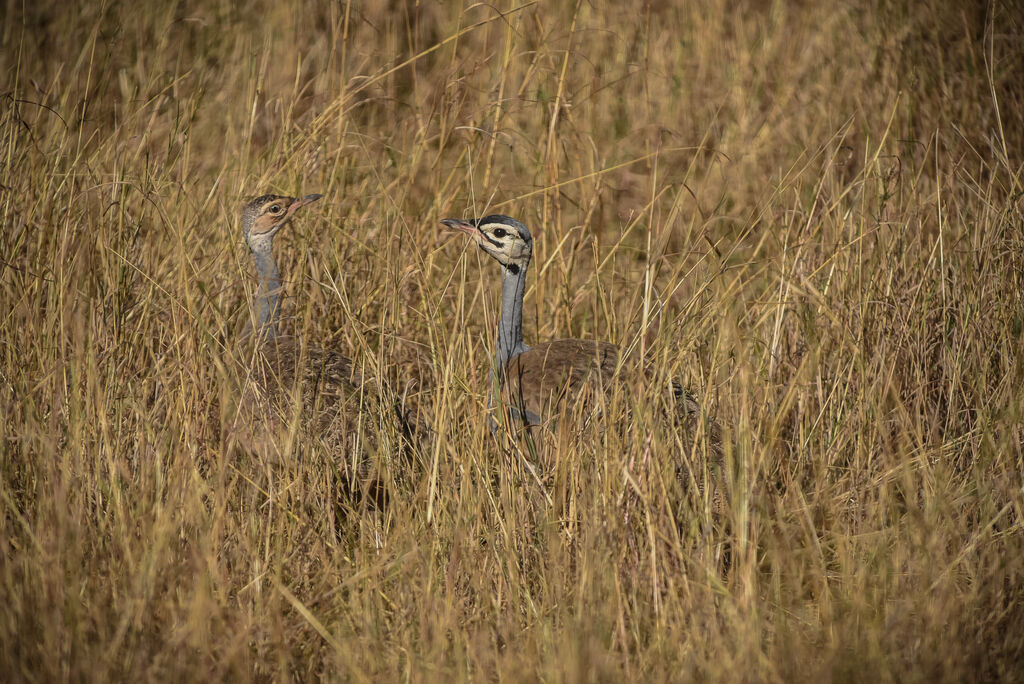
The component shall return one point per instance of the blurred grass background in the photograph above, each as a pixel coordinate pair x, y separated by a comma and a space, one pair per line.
812, 212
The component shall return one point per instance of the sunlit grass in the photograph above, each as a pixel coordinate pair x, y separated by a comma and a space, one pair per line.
812, 216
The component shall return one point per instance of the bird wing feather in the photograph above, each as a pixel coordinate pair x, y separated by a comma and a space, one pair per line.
557, 371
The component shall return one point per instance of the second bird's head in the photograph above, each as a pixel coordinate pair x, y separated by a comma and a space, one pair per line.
265, 215
504, 238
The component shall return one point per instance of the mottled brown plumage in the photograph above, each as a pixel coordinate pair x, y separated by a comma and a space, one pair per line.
543, 376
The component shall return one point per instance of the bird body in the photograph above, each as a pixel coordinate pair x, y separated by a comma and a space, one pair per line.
538, 385
285, 374
334, 401
534, 380
553, 372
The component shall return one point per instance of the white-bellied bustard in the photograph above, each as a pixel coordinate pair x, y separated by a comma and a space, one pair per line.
537, 384
292, 384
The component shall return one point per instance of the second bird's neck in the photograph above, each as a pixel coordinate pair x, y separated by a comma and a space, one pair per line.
268, 298
510, 328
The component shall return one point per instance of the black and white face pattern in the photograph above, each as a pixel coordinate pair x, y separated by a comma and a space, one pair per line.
504, 238
267, 214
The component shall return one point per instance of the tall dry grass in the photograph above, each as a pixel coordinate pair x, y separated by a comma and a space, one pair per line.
810, 212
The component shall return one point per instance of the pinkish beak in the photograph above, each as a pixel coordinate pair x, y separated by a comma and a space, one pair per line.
299, 203
463, 226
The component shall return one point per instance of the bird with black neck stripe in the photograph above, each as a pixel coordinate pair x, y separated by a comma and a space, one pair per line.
534, 386
533, 380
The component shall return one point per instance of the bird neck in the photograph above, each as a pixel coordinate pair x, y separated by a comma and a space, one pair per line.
510, 328
268, 297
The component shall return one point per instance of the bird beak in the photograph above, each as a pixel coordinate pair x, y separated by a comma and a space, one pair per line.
463, 226
303, 202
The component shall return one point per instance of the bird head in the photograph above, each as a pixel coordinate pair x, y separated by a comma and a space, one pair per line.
265, 215
504, 238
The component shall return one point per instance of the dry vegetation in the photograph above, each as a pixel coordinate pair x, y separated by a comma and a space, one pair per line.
812, 213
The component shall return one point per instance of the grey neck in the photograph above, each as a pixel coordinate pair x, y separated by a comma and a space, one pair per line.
510, 344
268, 298
510, 329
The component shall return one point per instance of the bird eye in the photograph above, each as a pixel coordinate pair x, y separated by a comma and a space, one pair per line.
275, 209
500, 232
